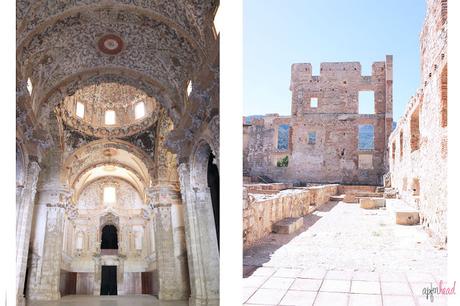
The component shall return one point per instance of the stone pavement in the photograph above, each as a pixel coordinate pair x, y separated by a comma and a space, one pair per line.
345, 255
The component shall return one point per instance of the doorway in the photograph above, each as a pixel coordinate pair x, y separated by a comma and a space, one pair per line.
213, 184
109, 280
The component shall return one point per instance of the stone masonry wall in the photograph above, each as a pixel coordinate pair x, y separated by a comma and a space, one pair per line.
260, 212
334, 157
418, 146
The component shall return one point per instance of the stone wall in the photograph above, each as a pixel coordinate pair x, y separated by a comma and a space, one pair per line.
418, 145
260, 211
333, 156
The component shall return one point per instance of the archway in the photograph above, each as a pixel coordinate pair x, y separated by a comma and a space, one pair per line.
213, 184
109, 237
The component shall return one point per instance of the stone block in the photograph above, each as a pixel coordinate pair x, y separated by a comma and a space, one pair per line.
287, 226
371, 203
407, 217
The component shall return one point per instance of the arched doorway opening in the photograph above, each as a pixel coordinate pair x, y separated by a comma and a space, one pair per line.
109, 237
213, 184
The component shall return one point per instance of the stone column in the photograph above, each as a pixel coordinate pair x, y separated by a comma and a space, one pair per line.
25, 205
170, 241
47, 244
202, 250
97, 274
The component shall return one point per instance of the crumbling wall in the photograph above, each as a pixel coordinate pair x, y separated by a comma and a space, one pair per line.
260, 212
323, 136
418, 146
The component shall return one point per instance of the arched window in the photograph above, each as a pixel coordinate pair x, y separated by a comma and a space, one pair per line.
80, 111
109, 117
110, 195
139, 110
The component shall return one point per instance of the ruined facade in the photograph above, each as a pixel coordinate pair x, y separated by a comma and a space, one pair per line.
323, 144
117, 150
418, 145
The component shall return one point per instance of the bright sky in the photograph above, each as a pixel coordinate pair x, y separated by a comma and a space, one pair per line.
278, 33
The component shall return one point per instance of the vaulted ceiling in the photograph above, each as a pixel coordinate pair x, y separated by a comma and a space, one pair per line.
158, 44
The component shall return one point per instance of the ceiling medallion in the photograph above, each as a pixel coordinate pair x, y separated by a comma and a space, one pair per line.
110, 44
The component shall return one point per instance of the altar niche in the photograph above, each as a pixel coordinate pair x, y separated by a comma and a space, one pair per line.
109, 239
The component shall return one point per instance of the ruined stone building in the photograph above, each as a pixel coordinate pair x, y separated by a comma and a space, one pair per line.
324, 144
117, 148
328, 140
418, 145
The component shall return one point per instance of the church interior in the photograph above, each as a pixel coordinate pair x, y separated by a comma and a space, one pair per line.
117, 150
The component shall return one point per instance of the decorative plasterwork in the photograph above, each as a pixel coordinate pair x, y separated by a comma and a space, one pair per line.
110, 44
190, 18
69, 47
97, 99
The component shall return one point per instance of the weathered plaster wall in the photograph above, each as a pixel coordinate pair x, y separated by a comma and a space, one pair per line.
334, 157
261, 211
418, 159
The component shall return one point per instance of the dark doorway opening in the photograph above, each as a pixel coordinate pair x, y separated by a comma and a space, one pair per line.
109, 237
109, 280
213, 184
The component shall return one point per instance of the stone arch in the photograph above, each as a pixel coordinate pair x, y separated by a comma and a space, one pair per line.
122, 75
146, 168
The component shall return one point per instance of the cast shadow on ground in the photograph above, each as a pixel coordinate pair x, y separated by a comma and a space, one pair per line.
260, 253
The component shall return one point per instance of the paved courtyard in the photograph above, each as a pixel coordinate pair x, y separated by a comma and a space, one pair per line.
345, 255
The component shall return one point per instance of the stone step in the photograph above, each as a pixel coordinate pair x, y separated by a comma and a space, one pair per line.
371, 203
287, 225
337, 198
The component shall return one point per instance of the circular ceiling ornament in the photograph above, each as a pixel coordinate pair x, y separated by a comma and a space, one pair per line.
110, 44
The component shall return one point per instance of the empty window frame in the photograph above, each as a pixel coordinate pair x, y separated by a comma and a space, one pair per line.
110, 195
311, 137
366, 137
314, 102
283, 137
366, 102
109, 117
415, 130
80, 110
139, 110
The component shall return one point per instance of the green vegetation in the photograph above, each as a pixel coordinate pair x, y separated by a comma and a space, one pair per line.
283, 162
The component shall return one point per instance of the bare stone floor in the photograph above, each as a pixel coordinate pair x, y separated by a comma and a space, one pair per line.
135, 300
344, 255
